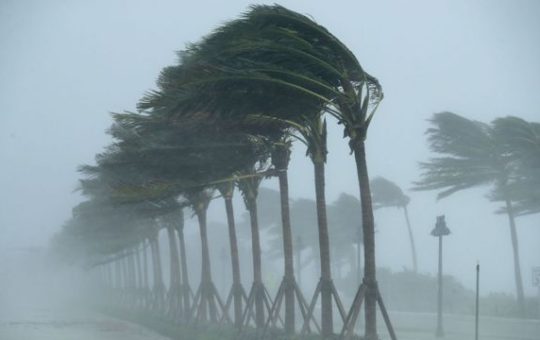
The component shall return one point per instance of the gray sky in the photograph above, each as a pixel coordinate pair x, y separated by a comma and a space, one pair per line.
65, 64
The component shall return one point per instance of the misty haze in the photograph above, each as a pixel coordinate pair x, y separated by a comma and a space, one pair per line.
254, 170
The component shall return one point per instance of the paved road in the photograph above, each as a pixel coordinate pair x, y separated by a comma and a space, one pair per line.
35, 304
421, 326
46, 322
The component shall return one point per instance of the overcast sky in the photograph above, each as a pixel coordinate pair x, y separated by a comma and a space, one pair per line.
64, 65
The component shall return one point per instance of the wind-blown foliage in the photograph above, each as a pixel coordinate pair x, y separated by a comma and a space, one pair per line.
473, 154
521, 140
469, 155
387, 194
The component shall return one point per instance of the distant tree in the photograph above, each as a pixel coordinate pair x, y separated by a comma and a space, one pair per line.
304, 233
269, 215
471, 155
346, 227
388, 194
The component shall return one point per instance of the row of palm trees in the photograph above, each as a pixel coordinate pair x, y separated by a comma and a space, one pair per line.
224, 118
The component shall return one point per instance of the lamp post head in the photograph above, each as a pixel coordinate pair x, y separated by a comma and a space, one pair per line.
440, 227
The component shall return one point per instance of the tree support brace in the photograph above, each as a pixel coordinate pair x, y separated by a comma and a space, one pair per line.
347, 331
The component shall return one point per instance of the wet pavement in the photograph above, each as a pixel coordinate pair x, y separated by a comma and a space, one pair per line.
421, 326
46, 323
37, 302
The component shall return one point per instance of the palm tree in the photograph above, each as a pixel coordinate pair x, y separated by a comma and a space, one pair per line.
280, 157
249, 187
521, 139
313, 134
389, 194
206, 297
237, 292
186, 288
175, 295
471, 155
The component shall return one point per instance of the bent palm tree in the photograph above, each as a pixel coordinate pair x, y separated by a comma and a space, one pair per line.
249, 187
389, 194
237, 292
521, 139
471, 155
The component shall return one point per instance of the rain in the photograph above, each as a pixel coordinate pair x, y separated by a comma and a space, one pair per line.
260, 170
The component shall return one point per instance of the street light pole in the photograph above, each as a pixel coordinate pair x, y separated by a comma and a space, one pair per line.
477, 309
440, 331
439, 231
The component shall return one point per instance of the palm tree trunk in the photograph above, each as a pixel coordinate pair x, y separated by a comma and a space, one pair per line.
118, 274
185, 278
324, 245
280, 159
125, 276
287, 251
145, 273
174, 287
257, 265
235, 261
158, 273
140, 287
206, 275
105, 276
175, 259
517, 263
110, 271
133, 266
139, 268
132, 277
154, 273
159, 268
411, 239
370, 276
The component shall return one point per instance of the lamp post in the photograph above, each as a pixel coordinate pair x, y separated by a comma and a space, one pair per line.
439, 231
